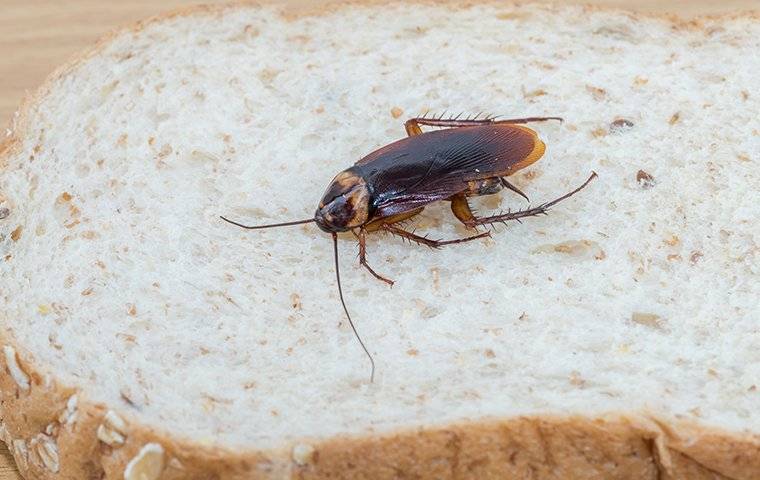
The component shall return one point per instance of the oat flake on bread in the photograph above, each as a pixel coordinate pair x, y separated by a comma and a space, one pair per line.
617, 337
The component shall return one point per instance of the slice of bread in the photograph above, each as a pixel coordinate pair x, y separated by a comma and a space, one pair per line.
617, 337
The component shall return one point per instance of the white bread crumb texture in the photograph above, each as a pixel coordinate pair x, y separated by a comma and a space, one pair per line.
639, 294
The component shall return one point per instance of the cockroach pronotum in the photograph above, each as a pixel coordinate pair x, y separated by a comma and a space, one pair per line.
465, 158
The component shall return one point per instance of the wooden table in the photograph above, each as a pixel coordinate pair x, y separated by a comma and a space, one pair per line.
41, 34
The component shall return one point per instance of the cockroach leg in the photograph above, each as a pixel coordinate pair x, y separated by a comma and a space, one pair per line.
412, 237
531, 212
461, 209
362, 235
413, 124
377, 224
374, 226
412, 128
526, 120
513, 188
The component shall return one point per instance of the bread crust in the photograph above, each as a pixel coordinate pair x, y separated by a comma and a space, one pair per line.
616, 445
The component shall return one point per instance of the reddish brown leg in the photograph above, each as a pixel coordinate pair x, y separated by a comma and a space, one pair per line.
540, 210
377, 224
461, 209
374, 226
363, 257
413, 124
412, 128
428, 242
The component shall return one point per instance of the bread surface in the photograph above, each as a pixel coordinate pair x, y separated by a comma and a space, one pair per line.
614, 338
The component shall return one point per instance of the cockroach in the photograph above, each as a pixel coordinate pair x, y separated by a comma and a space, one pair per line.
463, 158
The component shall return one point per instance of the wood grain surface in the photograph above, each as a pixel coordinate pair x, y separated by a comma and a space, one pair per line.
38, 35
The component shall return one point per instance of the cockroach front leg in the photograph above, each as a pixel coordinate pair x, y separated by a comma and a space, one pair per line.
362, 235
472, 221
412, 237
413, 124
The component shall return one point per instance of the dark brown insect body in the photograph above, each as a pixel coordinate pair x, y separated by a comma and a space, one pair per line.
416, 171
396, 182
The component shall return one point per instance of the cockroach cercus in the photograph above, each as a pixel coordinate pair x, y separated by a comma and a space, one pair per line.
463, 158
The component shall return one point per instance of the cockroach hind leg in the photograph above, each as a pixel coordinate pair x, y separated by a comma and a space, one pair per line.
412, 128
461, 209
413, 124
436, 244
485, 234
530, 212
529, 120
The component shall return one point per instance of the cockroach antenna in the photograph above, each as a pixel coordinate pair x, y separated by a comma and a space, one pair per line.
273, 225
343, 302
337, 278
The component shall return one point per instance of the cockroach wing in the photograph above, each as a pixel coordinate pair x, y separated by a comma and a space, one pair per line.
418, 170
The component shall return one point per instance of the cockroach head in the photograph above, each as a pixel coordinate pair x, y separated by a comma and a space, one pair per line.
345, 204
